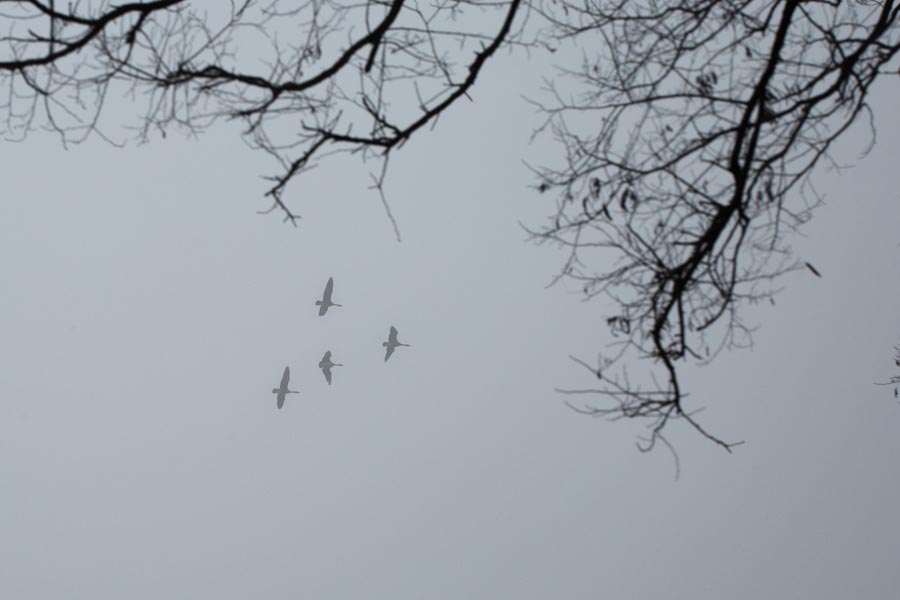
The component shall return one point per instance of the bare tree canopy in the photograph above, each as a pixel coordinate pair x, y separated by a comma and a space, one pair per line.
688, 132
351, 77
706, 120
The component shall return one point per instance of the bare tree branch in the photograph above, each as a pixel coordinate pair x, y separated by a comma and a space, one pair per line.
689, 141
348, 84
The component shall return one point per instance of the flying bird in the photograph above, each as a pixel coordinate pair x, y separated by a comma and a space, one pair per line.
325, 364
392, 343
283, 390
326, 302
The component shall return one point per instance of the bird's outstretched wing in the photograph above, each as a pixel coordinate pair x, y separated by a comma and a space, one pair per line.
281, 397
325, 302
327, 372
387, 355
327, 357
285, 379
392, 337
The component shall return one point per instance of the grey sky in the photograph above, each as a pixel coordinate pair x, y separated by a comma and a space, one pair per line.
146, 313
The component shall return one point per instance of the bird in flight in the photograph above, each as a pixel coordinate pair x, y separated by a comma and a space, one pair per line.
392, 343
283, 390
325, 364
326, 302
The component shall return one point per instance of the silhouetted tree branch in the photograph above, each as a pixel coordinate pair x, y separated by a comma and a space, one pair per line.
359, 78
895, 379
689, 139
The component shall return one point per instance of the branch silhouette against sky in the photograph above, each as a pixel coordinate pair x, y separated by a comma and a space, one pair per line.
687, 133
688, 151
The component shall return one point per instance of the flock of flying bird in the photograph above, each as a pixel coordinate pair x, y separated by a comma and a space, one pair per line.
326, 363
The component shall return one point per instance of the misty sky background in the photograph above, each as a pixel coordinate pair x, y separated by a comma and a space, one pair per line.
146, 312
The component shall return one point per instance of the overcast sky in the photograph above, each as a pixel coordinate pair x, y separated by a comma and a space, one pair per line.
146, 313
